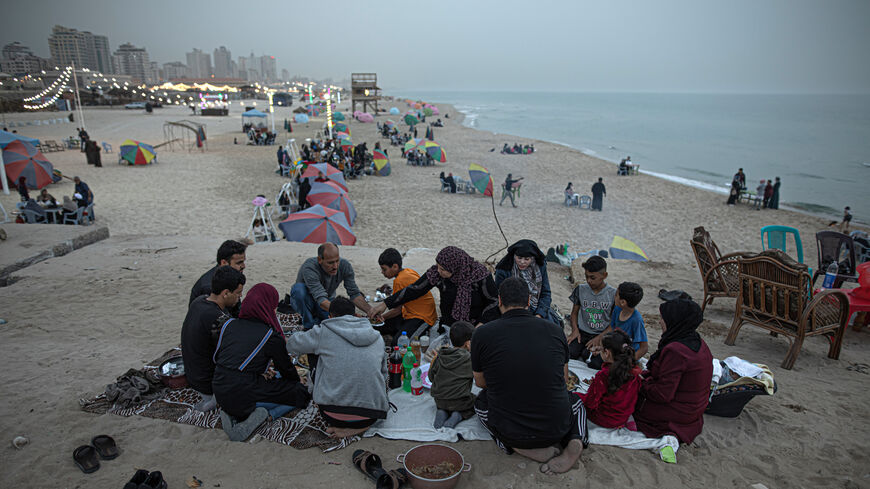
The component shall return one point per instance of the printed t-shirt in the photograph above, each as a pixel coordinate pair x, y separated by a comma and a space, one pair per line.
595, 308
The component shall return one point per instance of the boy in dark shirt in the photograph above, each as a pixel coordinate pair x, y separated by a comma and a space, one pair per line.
451, 378
199, 333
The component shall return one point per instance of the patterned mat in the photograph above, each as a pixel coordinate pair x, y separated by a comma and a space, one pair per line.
300, 428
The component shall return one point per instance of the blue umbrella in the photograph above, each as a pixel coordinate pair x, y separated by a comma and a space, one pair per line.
8, 137
394, 111
301, 118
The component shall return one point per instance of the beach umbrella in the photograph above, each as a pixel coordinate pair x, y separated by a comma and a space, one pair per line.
428, 111
411, 119
333, 174
394, 111
623, 249
337, 116
417, 105
366, 117
341, 127
325, 195
318, 224
435, 151
412, 143
8, 137
137, 153
390, 124
22, 159
345, 143
434, 110
342, 135
381, 162
301, 118
480, 178
430, 133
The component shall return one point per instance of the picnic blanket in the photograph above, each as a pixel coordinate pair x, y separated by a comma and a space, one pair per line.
300, 428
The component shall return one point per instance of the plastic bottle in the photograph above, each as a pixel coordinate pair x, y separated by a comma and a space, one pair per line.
831, 275
395, 369
424, 344
416, 380
415, 347
403, 343
407, 364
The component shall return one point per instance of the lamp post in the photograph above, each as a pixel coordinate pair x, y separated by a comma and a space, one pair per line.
329, 111
271, 110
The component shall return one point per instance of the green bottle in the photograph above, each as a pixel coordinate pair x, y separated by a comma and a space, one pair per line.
407, 364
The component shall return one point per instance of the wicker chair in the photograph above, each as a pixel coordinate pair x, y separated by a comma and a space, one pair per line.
718, 272
775, 294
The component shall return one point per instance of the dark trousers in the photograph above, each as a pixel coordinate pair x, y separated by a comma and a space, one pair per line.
578, 429
578, 351
395, 326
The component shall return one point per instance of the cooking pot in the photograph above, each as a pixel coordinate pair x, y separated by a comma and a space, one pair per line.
433, 454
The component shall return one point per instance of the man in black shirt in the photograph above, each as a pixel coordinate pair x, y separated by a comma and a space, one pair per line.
521, 363
201, 328
231, 253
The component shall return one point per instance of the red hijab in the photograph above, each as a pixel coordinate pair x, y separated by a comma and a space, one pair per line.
260, 304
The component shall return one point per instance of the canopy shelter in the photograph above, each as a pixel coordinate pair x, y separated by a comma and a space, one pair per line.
254, 113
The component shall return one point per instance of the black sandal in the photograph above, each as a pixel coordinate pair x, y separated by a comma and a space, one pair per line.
368, 463
106, 447
85, 458
392, 479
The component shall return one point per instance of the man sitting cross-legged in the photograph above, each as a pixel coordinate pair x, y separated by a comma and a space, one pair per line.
521, 362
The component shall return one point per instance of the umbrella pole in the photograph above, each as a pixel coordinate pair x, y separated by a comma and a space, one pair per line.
492, 201
3, 175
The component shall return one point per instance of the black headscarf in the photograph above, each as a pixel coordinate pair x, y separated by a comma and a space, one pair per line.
523, 247
682, 318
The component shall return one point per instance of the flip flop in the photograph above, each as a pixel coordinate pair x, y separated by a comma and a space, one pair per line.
368, 463
85, 458
392, 479
106, 447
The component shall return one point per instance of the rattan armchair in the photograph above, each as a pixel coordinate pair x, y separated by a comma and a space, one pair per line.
774, 294
718, 272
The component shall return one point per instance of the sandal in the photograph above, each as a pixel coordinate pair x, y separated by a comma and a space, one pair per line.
392, 479
86, 459
106, 447
368, 463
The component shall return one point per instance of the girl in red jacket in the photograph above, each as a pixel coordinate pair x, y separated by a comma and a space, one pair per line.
612, 394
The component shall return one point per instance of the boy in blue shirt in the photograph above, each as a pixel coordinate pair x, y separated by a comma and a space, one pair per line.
626, 318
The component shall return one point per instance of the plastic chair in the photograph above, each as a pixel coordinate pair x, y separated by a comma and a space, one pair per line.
90, 210
833, 246
107, 147
777, 238
585, 201
74, 218
31, 217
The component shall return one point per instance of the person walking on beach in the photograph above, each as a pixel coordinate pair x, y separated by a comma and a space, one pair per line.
768, 192
759, 195
847, 219
509, 189
774, 198
598, 193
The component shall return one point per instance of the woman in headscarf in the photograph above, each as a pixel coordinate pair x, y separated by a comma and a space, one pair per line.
468, 292
676, 385
525, 260
245, 347
22, 189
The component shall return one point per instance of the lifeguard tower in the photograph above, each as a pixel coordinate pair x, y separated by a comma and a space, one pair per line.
364, 90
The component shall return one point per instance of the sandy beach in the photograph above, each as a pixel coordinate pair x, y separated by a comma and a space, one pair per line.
78, 321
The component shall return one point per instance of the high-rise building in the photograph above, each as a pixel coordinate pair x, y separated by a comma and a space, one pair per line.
16, 58
234, 69
242, 68
285, 75
174, 70
133, 61
223, 63
199, 64
82, 47
154, 73
268, 68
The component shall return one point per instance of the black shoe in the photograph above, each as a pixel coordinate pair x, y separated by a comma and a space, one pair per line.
137, 479
153, 481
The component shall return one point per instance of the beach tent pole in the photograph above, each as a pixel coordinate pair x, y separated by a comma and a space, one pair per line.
3, 174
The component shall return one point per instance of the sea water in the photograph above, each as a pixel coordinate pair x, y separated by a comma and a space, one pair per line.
819, 145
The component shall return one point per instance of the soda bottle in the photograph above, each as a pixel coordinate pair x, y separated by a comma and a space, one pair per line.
395, 369
407, 364
831, 275
415, 347
403, 343
416, 380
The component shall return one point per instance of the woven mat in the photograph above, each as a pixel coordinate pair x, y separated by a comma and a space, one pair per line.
300, 428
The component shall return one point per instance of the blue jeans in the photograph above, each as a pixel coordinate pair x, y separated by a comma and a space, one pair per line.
275, 410
304, 304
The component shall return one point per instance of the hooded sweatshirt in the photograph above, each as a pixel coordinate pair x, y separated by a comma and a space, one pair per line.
451, 379
352, 367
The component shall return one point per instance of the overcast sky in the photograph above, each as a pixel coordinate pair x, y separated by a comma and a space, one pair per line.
816, 46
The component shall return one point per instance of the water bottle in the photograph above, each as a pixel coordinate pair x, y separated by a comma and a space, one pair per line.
395, 369
416, 380
415, 347
403, 343
831, 275
407, 364
424, 344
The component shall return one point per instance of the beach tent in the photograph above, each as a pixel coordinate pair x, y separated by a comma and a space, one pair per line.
623, 249
318, 224
22, 159
480, 178
254, 113
365, 117
300, 118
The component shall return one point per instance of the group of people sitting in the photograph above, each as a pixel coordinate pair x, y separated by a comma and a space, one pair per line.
766, 193
259, 135
625, 167
516, 149
504, 335
82, 198
416, 157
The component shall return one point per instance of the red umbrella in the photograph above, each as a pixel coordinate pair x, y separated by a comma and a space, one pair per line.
22, 159
330, 195
318, 224
331, 173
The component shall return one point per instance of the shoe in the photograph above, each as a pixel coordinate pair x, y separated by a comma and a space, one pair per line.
85, 458
138, 478
153, 481
106, 447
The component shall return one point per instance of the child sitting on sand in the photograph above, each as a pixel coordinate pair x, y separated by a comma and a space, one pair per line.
451, 378
613, 391
590, 315
626, 318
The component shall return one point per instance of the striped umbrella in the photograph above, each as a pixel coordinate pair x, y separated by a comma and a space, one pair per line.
330, 196
22, 159
411, 119
137, 153
413, 143
345, 143
341, 127
318, 224
342, 135
337, 116
623, 249
381, 162
333, 174
390, 124
480, 178
435, 151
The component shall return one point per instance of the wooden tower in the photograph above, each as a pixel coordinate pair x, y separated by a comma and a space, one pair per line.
364, 90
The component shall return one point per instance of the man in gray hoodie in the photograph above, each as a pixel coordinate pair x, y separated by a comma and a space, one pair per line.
350, 386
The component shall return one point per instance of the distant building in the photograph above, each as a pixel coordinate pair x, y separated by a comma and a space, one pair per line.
268, 68
199, 64
285, 75
16, 58
83, 48
155, 74
133, 61
223, 59
175, 70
